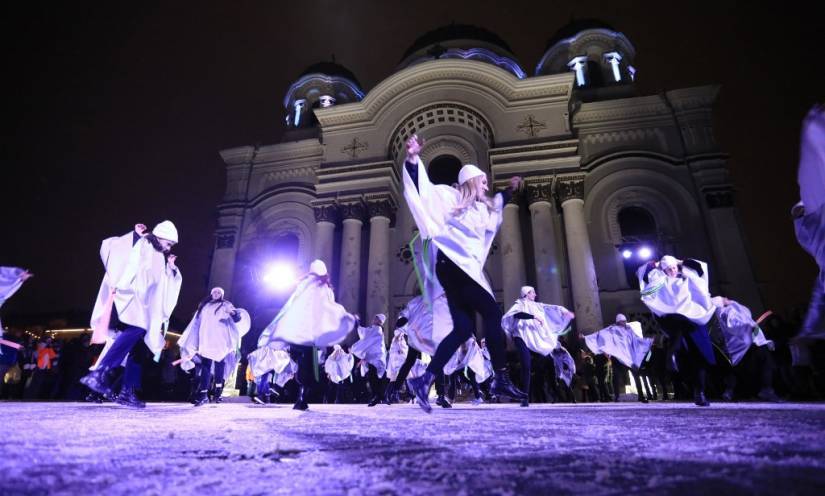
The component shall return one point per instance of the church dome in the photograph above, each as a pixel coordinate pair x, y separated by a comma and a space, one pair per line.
462, 41
323, 84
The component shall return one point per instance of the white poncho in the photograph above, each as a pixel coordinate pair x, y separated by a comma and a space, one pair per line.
10, 282
426, 328
310, 317
370, 349
146, 288
541, 333
564, 364
687, 295
212, 333
268, 359
624, 343
338, 365
397, 354
469, 354
738, 330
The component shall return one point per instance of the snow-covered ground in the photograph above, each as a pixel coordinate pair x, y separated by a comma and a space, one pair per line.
240, 448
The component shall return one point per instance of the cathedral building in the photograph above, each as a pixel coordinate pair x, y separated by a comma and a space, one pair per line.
613, 178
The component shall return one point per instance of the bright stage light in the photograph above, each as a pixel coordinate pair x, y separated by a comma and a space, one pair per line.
279, 276
645, 253
627, 253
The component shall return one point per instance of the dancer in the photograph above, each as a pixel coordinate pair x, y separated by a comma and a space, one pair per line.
310, 318
11, 279
458, 226
214, 334
137, 295
534, 327
373, 356
624, 342
677, 293
338, 366
809, 224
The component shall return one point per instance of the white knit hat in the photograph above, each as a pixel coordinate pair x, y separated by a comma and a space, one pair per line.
166, 230
381, 317
318, 267
468, 172
223, 293
667, 261
620, 317
525, 290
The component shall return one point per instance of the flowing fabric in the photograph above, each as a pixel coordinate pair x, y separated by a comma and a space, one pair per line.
284, 376
811, 173
737, 330
397, 354
622, 343
370, 349
145, 288
541, 333
687, 295
310, 317
564, 364
268, 359
469, 355
10, 282
417, 370
338, 365
427, 324
212, 333
465, 238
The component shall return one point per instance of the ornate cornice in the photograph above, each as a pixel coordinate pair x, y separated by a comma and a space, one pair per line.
326, 213
539, 192
352, 210
381, 208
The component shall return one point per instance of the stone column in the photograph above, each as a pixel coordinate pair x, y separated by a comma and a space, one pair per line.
582, 271
378, 265
546, 256
512, 253
325, 218
349, 282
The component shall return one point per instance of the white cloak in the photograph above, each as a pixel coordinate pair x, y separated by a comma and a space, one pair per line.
146, 288
688, 296
739, 330
310, 317
564, 364
397, 354
10, 282
268, 359
625, 344
464, 238
469, 355
212, 333
338, 365
541, 333
370, 349
426, 328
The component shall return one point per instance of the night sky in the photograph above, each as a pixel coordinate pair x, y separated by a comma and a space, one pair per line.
115, 113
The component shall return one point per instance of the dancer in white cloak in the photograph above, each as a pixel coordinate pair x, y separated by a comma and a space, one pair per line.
809, 224
677, 293
270, 364
138, 293
397, 354
214, 335
535, 327
372, 355
11, 279
735, 334
339, 365
624, 342
458, 227
310, 318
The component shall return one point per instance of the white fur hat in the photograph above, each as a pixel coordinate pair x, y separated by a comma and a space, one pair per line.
166, 230
468, 172
318, 267
223, 293
620, 317
525, 290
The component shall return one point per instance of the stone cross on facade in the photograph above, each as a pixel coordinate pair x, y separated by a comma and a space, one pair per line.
530, 126
354, 148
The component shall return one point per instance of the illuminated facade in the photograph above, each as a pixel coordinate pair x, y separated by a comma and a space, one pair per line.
611, 176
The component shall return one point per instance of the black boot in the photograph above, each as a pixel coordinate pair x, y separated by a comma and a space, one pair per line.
443, 402
127, 397
300, 403
201, 399
389, 394
503, 386
699, 399
525, 403
374, 401
420, 387
216, 394
98, 382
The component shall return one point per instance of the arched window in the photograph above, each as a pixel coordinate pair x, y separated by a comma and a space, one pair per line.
444, 169
639, 240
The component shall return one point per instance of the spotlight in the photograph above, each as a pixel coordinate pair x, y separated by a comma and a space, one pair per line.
279, 276
645, 253
627, 253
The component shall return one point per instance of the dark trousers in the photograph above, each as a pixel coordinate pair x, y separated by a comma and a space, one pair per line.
526, 363
375, 382
206, 374
129, 342
814, 325
684, 334
404, 371
619, 373
466, 298
302, 356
